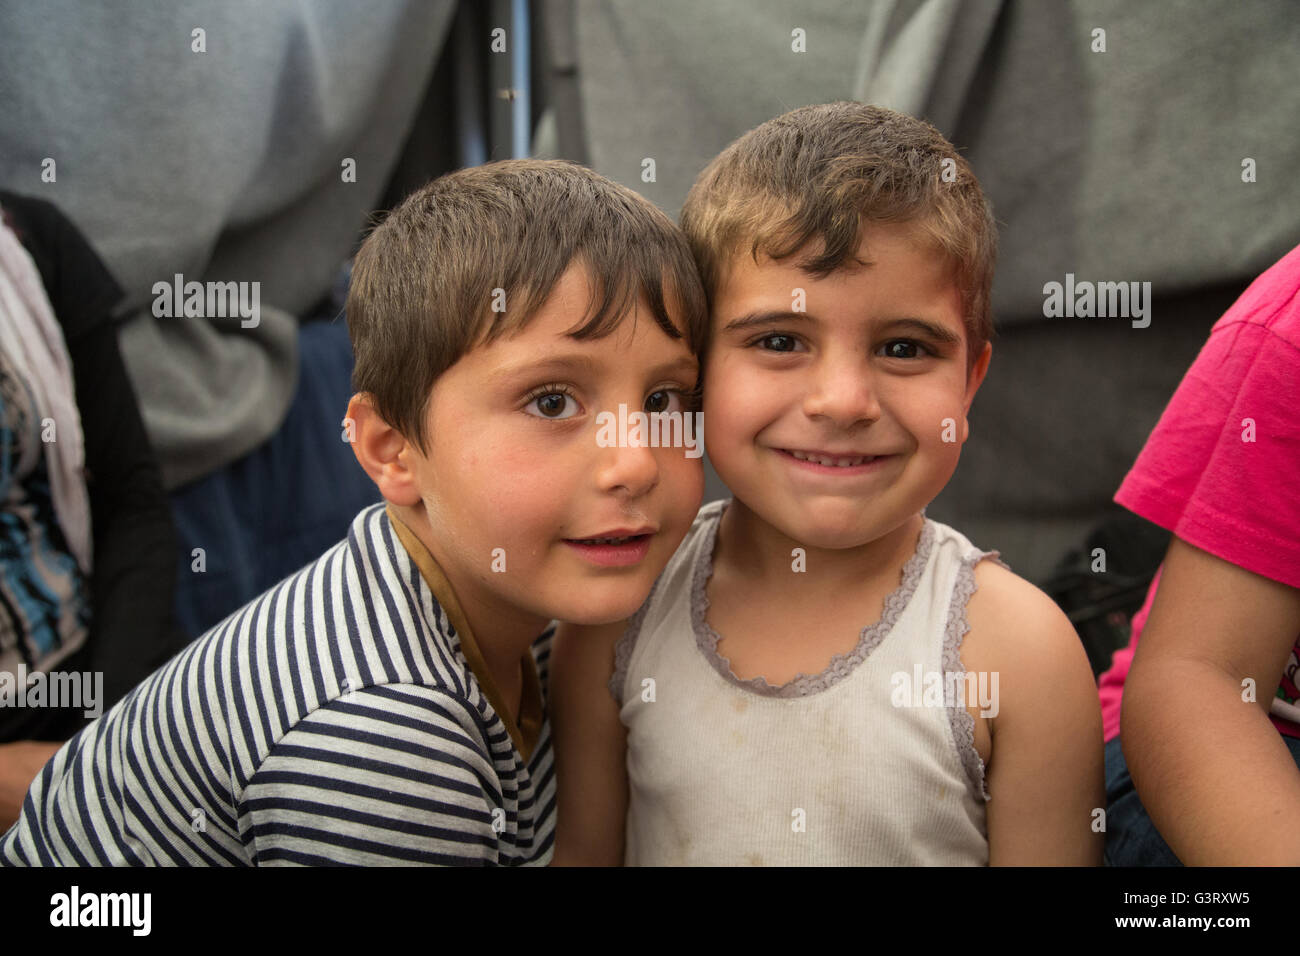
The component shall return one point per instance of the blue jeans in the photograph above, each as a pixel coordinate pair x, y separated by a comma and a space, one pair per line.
1131, 837
282, 505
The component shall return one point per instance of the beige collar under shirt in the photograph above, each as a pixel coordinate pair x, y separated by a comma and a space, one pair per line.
527, 727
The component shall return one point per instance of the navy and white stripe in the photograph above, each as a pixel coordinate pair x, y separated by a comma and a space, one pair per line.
332, 720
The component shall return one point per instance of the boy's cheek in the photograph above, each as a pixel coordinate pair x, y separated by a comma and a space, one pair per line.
740, 404
694, 495
684, 495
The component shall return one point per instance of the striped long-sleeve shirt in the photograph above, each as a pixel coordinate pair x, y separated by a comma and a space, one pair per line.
334, 719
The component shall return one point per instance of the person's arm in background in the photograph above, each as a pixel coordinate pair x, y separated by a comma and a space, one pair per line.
133, 630
20, 762
590, 748
1214, 774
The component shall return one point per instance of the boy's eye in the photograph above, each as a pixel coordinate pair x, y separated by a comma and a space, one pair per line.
778, 342
662, 400
907, 350
553, 402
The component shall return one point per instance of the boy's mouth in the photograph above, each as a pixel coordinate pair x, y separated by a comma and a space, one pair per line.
829, 459
623, 540
616, 535
615, 549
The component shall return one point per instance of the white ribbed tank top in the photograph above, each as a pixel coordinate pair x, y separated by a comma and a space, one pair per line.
824, 770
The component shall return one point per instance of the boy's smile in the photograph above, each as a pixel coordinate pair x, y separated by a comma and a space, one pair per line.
520, 500
838, 422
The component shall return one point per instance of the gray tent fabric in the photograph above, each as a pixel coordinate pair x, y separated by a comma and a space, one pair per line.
1122, 165
219, 164
920, 56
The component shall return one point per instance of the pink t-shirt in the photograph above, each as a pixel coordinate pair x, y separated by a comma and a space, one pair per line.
1202, 476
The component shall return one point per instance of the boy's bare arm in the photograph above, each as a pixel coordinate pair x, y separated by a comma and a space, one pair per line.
1046, 773
590, 748
1212, 771
20, 762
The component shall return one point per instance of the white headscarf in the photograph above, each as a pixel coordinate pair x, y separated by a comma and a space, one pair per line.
33, 340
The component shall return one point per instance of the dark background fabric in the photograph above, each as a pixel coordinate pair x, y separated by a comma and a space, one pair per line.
132, 630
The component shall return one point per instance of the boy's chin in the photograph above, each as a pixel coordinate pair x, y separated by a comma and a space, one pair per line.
833, 540
592, 612
830, 533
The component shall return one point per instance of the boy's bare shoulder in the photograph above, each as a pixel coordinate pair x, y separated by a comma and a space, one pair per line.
1016, 626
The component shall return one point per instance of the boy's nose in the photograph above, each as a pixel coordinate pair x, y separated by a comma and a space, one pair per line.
842, 391
630, 469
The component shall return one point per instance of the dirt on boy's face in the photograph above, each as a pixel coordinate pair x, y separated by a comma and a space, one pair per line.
517, 472
836, 407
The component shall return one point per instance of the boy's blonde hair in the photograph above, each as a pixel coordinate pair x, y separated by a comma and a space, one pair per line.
423, 283
825, 172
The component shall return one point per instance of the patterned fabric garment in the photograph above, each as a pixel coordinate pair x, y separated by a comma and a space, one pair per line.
335, 719
44, 597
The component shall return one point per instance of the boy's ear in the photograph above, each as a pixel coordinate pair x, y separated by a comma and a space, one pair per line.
976, 375
383, 452
973, 381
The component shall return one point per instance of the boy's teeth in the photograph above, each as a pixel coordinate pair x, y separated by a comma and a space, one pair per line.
605, 540
837, 462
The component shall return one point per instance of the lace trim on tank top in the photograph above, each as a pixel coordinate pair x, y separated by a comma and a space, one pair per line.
626, 644
841, 665
963, 724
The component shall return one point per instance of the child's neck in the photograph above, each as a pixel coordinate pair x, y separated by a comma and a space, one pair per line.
758, 552
503, 633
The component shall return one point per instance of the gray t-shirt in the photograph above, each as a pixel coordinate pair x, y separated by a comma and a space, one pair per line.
219, 164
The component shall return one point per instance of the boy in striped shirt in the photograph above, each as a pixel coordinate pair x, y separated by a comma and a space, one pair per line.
387, 703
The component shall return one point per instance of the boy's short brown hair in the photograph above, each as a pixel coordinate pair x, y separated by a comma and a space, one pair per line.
425, 279
826, 172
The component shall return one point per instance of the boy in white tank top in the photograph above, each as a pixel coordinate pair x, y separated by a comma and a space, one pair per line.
822, 674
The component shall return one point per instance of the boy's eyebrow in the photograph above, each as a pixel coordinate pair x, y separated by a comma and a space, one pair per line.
766, 317
572, 363
935, 330
690, 366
